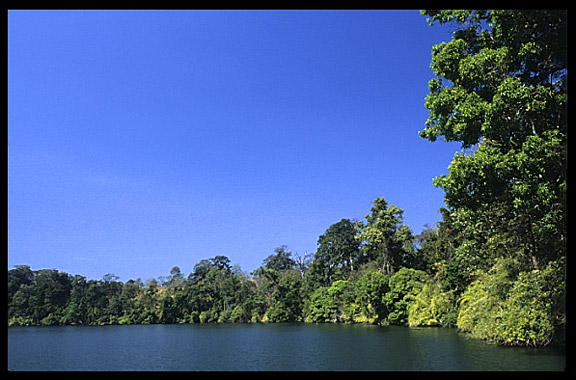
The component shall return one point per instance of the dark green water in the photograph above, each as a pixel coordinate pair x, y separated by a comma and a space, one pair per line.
265, 347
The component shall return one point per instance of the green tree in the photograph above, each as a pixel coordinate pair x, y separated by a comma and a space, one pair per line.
130, 293
332, 304
200, 271
280, 261
221, 263
404, 285
279, 286
20, 287
384, 239
147, 306
431, 250
369, 292
175, 279
20, 275
76, 312
285, 299
338, 254
535, 313
249, 306
21, 309
321, 307
433, 307
52, 290
500, 90
342, 294
510, 305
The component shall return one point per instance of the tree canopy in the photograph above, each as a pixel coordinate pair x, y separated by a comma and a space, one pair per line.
501, 90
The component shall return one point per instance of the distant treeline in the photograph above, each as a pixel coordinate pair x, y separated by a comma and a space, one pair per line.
362, 272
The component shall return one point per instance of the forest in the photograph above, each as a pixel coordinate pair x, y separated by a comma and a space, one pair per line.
493, 267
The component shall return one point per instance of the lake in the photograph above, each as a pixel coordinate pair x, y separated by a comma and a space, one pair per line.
265, 347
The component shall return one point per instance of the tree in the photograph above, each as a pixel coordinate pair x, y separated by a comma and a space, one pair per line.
404, 286
147, 304
280, 261
175, 279
337, 255
535, 311
285, 299
52, 293
433, 307
384, 239
332, 304
510, 306
20, 275
222, 263
321, 307
500, 89
76, 312
430, 249
21, 309
200, 271
342, 293
278, 288
369, 291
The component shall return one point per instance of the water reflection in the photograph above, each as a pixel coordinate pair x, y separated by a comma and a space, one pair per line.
265, 347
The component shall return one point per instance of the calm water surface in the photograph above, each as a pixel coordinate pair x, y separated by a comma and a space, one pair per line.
264, 347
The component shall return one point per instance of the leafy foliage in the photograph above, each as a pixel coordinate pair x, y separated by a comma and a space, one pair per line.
338, 254
432, 307
350, 302
500, 90
384, 239
515, 307
404, 286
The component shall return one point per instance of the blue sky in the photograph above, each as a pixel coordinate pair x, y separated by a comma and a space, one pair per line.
143, 140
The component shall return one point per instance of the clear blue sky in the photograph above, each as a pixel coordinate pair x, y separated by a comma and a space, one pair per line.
139, 141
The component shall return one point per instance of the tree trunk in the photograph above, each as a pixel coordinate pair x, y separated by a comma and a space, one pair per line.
535, 262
